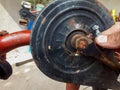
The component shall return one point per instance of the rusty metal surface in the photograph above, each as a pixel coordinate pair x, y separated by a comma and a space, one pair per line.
51, 43
71, 86
83, 45
3, 32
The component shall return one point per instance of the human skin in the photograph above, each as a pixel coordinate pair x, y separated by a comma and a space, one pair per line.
110, 39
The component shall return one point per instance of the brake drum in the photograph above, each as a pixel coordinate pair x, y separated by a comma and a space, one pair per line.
51, 48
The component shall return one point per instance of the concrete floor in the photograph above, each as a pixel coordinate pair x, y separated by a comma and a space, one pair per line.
27, 76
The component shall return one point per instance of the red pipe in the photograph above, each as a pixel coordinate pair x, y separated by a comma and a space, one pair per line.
11, 41
71, 86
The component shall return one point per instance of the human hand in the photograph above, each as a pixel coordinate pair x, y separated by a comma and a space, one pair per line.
111, 39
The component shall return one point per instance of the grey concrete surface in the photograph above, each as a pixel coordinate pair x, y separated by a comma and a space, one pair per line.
7, 22
12, 7
111, 4
28, 77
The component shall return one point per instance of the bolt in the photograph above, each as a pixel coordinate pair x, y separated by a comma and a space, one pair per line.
96, 28
81, 43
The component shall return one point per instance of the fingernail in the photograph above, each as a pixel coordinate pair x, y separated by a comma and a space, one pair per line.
101, 39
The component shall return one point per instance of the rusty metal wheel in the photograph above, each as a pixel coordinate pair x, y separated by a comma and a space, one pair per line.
51, 48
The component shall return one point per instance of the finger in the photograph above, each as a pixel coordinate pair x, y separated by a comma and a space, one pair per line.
111, 41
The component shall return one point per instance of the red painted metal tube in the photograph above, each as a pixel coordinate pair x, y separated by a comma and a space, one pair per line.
71, 86
11, 41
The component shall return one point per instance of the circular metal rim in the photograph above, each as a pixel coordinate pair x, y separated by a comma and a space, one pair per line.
46, 30
37, 22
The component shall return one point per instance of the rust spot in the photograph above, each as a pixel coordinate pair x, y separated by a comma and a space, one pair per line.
81, 43
72, 22
3, 32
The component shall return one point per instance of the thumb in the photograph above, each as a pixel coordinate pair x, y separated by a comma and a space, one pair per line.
110, 38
